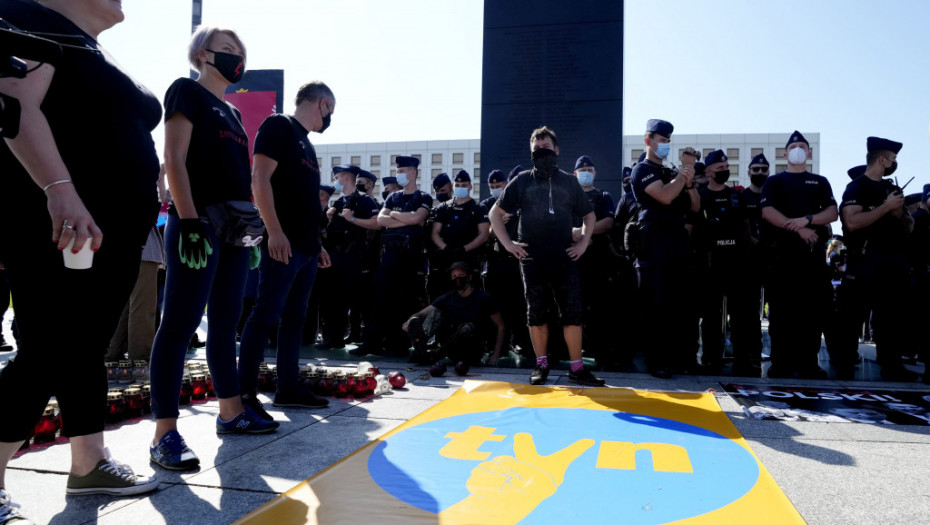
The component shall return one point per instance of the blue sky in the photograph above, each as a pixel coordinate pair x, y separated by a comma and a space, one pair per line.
411, 69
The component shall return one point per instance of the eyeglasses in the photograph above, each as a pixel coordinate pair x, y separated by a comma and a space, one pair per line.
759, 169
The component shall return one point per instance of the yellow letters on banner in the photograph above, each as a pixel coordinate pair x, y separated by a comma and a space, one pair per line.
665, 457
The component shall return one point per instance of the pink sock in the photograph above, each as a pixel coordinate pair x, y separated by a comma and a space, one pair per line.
577, 366
543, 361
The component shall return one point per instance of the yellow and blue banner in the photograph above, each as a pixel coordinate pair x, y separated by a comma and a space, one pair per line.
503, 453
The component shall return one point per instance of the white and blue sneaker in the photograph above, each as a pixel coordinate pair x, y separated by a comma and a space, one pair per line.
9, 511
172, 453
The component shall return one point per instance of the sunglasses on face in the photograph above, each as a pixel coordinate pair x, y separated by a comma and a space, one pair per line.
760, 169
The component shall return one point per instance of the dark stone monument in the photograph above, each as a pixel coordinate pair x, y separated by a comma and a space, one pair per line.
555, 63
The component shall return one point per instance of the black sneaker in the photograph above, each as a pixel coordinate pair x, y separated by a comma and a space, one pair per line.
300, 399
585, 377
251, 401
539, 375
5, 347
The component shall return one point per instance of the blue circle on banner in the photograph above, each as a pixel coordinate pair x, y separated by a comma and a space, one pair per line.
409, 466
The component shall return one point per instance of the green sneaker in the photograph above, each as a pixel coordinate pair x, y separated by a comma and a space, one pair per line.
111, 477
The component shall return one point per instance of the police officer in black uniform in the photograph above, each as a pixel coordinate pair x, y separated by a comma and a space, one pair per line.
360, 304
626, 323
876, 228
920, 263
663, 262
312, 323
352, 216
760, 248
799, 205
722, 240
460, 229
400, 285
597, 281
502, 277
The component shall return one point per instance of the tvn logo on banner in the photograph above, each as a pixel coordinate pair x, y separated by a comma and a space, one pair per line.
503, 453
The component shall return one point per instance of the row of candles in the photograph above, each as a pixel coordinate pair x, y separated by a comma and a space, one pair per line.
135, 400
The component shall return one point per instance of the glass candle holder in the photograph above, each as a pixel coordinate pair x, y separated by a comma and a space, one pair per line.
198, 386
184, 397
115, 407
132, 402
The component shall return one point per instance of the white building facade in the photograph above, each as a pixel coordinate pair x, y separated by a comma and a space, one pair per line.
450, 156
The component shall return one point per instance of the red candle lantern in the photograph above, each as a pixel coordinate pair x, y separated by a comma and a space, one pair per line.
114, 407
124, 373
132, 402
146, 397
209, 377
112, 371
397, 379
341, 385
266, 375
184, 397
140, 370
57, 412
360, 388
198, 386
371, 383
46, 427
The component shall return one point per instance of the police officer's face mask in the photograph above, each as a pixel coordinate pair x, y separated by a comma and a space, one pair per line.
722, 176
891, 169
384, 194
758, 180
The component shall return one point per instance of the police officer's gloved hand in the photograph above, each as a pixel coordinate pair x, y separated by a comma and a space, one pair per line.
255, 257
194, 246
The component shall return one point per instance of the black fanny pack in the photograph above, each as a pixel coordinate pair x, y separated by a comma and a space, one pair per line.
236, 223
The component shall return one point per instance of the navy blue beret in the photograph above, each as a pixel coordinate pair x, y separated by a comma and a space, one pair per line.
879, 144
913, 198
328, 189
926, 192
462, 176
389, 180
699, 168
627, 171
856, 172
367, 175
584, 161
354, 170
513, 173
496, 176
405, 162
718, 155
760, 160
797, 137
441, 180
661, 127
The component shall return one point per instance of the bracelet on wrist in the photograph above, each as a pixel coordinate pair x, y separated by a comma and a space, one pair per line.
57, 182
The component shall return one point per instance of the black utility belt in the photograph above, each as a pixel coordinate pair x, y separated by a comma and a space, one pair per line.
402, 242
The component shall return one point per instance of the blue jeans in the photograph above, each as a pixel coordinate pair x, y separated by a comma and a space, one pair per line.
218, 287
283, 293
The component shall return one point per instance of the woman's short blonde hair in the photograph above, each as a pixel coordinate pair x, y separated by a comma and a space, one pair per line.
201, 39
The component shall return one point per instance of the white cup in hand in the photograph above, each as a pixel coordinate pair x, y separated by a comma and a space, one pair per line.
81, 260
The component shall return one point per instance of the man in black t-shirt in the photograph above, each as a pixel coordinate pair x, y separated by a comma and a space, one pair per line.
401, 279
548, 199
286, 184
876, 228
460, 319
799, 206
460, 229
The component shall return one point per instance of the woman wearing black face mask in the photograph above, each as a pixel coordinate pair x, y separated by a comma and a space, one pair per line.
207, 162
